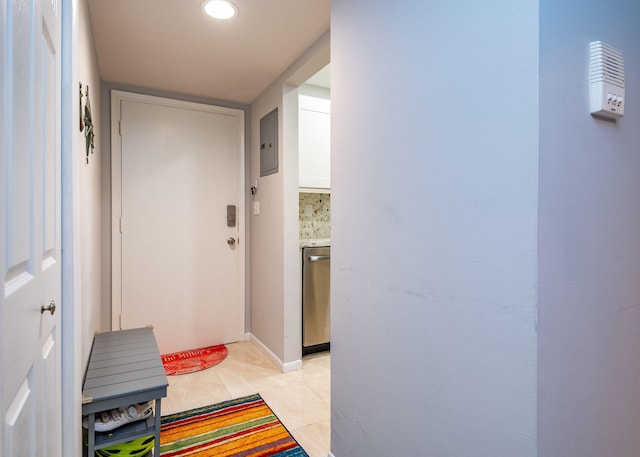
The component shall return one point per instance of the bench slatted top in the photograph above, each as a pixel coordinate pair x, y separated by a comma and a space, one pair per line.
124, 362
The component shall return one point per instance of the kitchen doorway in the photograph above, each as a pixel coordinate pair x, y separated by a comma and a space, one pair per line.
314, 186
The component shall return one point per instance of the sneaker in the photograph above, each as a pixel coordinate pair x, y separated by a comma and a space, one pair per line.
112, 419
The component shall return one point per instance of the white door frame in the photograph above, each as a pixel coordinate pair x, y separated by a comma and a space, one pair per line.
118, 96
72, 373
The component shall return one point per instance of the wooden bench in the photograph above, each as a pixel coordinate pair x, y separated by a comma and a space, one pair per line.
124, 368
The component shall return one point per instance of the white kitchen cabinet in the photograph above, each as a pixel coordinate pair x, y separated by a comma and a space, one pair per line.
314, 145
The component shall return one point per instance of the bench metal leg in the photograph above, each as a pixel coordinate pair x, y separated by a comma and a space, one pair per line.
156, 450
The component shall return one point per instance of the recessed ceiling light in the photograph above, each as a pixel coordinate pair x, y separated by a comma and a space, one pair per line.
220, 9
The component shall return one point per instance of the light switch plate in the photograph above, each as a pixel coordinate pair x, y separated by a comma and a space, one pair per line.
256, 208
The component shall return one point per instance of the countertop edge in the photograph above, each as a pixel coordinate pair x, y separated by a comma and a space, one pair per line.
315, 242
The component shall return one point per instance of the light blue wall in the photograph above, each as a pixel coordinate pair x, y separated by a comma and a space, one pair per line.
589, 293
434, 228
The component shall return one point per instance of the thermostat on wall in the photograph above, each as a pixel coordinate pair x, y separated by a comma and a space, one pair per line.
606, 81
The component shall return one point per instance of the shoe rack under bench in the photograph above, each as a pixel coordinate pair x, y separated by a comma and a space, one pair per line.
124, 368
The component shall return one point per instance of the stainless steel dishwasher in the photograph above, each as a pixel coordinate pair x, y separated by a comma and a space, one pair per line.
316, 309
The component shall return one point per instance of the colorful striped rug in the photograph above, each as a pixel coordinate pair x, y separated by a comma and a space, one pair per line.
242, 427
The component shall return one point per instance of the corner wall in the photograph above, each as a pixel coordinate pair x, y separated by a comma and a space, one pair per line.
81, 220
434, 228
267, 228
276, 311
89, 213
589, 289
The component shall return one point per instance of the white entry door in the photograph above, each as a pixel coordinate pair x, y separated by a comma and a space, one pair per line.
181, 264
30, 230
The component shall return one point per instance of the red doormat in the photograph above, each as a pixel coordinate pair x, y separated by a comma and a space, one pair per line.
194, 360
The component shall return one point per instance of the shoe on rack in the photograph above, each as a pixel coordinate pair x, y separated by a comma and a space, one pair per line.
114, 418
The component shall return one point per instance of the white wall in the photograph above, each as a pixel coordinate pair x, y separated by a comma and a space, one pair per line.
589, 356
434, 228
81, 220
275, 257
89, 211
267, 234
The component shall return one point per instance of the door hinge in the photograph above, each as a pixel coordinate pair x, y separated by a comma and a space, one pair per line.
120, 321
121, 226
120, 128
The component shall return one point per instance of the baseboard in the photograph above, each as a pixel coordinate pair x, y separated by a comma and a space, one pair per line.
282, 366
292, 366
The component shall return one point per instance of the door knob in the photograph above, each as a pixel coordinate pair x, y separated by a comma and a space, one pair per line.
51, 308
231, 241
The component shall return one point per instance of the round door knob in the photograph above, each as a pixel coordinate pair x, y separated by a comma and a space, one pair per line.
51, 308
231, 241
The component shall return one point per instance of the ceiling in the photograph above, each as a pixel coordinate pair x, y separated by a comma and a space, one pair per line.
322, 78
171, 45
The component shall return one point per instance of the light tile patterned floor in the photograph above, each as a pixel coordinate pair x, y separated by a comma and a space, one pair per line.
300, 398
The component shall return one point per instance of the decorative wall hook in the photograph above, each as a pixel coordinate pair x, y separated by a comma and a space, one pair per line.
86, 123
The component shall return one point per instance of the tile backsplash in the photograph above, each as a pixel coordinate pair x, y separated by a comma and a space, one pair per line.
318, 225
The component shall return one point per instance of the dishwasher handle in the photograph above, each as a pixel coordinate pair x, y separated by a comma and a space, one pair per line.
315, 258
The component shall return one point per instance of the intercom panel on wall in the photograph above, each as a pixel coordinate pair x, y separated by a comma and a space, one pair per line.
606, 81
269, 143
